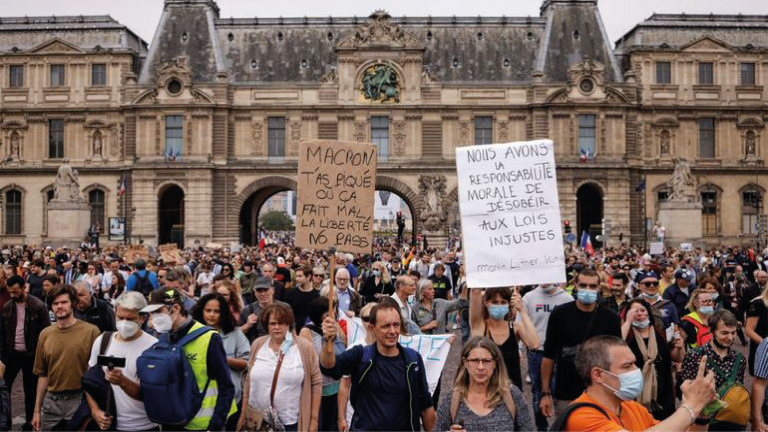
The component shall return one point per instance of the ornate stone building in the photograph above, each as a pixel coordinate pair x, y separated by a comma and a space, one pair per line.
205, 124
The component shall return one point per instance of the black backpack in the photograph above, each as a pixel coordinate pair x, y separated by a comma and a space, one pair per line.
144, 286
562, 419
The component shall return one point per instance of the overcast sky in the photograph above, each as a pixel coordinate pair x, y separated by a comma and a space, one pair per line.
142, 16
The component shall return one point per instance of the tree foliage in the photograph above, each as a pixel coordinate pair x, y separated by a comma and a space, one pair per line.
276, 220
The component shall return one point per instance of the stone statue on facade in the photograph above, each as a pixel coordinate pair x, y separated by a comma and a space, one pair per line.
15, 146
664, 145
682, 185
750, 144
67, 186
97, 144
432, 189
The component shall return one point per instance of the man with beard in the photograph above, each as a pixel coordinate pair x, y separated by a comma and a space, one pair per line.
61, 360
719, 352
278, 289
23, 318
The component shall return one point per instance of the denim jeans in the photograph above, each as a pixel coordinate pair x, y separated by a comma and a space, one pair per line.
464, 330
534, 370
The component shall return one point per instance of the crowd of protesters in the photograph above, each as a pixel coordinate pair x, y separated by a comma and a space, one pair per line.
630, 342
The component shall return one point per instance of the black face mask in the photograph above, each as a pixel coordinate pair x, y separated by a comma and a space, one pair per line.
717, 344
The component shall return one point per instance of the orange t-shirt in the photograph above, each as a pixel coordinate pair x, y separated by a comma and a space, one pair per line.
634, 417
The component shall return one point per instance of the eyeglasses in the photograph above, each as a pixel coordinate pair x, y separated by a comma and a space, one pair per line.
476, 362
342, 279
317, 276
591, 286
650, 284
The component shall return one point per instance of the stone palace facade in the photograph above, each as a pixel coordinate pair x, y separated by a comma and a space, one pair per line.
202, 125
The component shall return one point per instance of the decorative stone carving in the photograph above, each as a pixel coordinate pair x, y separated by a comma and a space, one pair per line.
380, 83
361, 131
464, 133
295, 137
750, 145
426, 76
398, 127
378, 31
66, 189
432, 190
177, 68
332, 77
258, 139
98, 144
664, 143
116, 145
15, 151
503, 127
682, 185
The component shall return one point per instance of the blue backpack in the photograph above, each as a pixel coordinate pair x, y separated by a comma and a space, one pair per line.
168, 385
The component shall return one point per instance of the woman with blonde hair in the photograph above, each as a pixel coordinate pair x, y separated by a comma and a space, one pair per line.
377, 284
483, 398
695, 325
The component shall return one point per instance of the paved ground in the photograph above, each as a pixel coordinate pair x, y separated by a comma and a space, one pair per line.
449, 373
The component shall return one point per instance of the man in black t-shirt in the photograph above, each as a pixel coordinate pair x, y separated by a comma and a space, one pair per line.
569, 326
441, 283
300, 296
35, 278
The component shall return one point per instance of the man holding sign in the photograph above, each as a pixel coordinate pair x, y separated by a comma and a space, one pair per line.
389, 383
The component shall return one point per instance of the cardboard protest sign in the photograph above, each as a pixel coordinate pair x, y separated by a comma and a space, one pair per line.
336, 186
134, 252
434, 349
170, 254
510, 214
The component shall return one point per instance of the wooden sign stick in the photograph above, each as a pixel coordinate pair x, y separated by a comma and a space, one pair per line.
329, 345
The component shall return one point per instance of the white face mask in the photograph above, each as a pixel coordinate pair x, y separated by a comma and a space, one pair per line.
162, 322
127, 329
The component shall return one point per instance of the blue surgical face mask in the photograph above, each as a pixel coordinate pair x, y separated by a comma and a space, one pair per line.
286, 342
587, 296
642, 324
706, 310
630, 385
376, 273
498, 312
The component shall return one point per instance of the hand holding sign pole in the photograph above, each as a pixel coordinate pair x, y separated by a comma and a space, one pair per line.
331, 295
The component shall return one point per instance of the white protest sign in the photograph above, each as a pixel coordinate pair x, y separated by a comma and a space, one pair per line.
688, 247
434, 349
510, 214
657, 248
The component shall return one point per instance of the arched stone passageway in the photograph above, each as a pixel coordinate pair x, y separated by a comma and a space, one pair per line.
171, 215
250, 201
589, 211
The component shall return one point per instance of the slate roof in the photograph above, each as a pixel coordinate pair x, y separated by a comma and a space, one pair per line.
672, 31
85, 31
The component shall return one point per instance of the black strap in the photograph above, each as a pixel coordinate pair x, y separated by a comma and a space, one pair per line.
106, 339
591, 321
562, 419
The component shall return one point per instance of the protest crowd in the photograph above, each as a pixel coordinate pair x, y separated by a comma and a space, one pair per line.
218, 339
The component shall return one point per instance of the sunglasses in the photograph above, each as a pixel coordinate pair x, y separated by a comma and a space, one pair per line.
591, 286
649, 284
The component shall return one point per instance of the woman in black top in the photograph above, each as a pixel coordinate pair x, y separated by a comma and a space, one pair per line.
653, 355
493, 315
377, 284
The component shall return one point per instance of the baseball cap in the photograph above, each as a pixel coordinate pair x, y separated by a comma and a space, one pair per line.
163, 297
645, 275
262, 283
682, 274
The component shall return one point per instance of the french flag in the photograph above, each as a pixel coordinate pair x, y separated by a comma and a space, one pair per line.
586, 243
122, 189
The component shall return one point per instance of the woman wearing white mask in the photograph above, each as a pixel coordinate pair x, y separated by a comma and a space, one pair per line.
290, 362
492, 315
653, 356
695, 324
129, 342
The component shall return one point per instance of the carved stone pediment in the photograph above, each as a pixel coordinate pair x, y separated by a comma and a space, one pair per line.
665, 123
587, 68
379, 32
57, 46
750, 123
707, 44
177, 68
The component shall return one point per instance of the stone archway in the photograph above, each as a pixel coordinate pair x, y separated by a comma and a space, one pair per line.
589, 210
414, 202
248, 203
171, 215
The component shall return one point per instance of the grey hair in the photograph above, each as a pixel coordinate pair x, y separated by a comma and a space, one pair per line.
86, 284
349, 257
596, 353
131, 300
342, 270
422, 284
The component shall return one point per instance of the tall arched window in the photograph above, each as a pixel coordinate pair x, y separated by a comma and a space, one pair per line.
96, 198
751, 208
709, 212
13, 216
